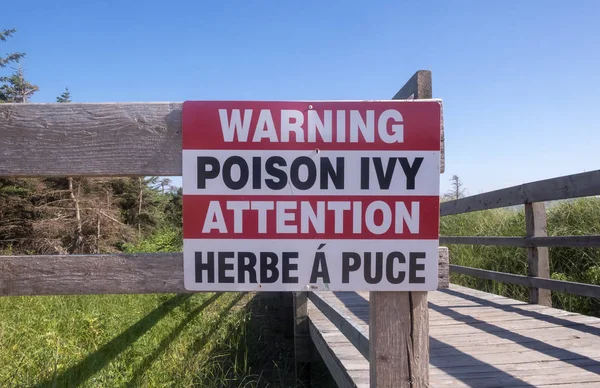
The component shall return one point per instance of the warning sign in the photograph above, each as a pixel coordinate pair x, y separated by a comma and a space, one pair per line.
292, 196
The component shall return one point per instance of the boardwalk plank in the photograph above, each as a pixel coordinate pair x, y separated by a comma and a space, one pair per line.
484, 340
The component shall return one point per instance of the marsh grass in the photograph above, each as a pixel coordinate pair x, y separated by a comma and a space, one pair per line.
200, 340
573, 217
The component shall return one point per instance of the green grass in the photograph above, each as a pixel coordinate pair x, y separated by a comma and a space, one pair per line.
201, 340
577, 217
160, 340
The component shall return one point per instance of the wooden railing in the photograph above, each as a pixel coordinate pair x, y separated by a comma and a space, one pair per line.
532, 195
140, 139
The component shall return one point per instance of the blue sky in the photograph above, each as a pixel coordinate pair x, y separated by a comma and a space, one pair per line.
520, 80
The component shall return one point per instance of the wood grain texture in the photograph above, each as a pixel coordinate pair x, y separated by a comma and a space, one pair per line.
399, 339
347, 367
399, 327
116, 139
554, 241
443, 268
549, 284
479, 339
570, 186
398, 330
419, 86
344, 324
538, 262
91, 274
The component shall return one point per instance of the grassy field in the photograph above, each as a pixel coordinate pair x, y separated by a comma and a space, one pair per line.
160, 340
577, 217
201, 340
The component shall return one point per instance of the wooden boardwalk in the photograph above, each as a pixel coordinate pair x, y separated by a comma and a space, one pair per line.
477, 340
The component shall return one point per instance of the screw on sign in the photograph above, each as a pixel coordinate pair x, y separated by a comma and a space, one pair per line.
285, 196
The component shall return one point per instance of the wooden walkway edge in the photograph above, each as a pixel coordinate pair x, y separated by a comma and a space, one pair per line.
477, 339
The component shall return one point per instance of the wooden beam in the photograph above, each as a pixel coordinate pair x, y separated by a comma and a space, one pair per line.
582, 289
399, 339
555, 241
352, 332
302, 342
91, 274
331, 360
571, 186
117, 139
538, 262
443, 268
399, 321
419, 86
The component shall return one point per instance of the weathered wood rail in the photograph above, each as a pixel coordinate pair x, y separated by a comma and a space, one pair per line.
533, 196
476, 339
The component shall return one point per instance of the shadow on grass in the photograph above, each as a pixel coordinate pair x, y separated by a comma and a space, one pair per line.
201, 342
82, 371
271, 356
147, 362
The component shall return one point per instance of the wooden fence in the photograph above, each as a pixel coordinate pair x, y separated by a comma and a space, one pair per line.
141, 139
532, 196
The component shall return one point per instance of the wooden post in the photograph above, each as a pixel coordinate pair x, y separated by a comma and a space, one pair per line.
399, 321
302, 341
538, 262
399, 339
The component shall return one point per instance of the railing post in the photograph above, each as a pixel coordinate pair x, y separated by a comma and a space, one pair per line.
302, 341
399, 321
538, 262
399, 339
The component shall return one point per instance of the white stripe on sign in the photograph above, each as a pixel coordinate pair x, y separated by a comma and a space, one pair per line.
285, 265
273, 172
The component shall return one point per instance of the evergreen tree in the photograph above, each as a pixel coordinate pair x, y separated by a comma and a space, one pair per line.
12, 57
65, 97
14, 88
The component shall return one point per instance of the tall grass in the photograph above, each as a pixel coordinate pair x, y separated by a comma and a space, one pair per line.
162, 340
208, 340
573, 217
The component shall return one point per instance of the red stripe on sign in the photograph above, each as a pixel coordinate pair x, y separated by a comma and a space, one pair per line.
356, 125
310, 217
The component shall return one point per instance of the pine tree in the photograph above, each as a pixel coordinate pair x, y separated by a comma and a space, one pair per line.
65, 97
14, 88
9, 58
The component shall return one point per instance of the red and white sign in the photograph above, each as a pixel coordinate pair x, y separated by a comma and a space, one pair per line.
291, 196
